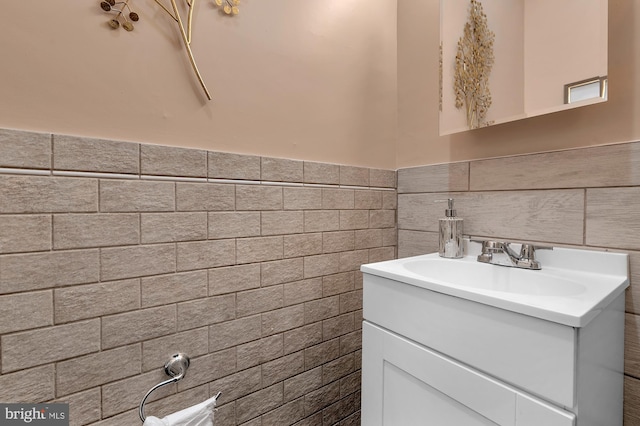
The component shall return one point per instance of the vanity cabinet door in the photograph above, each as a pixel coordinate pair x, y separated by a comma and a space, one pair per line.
404, 383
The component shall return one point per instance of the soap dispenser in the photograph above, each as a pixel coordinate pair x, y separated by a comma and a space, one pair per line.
450, 244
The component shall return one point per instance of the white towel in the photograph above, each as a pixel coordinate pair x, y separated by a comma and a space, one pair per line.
196, 415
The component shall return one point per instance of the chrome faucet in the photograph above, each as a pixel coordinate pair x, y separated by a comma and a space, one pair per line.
499, 253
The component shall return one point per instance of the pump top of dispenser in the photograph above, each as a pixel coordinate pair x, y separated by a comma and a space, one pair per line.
450, 211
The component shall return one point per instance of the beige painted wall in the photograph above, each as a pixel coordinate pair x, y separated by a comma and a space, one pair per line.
418, 139
311, 80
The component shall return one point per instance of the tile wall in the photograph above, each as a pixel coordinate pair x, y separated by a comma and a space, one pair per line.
115, 255
587, 197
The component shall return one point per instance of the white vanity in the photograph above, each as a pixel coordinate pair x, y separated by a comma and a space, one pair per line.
455, 342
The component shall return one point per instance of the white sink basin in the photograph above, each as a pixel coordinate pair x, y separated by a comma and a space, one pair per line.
572, 287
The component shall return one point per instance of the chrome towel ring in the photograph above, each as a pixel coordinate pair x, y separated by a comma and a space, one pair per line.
176, 368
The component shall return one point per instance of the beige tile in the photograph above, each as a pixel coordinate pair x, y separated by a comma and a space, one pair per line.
282, 320
156, 352
389, 237
286, 414
28, 386
382, 218
233, 333
389, 200
612, 165
282, 271
211, 310
206, 254
368, 199
382, 178
259, 197
333, 242
633, 292
322, 353
172, 227
172, 161
281, 170
302, 245
234, 166
434, 178
166, 289
95, 300
209, 367
323, 264
338, 368
302, 384
337, 283
260, 249
13, 316
321, 173
36, 347
282, 368
205, 197
37, 194
136, 196
282, 222
234, 224
350, 383
632, 344
127, 418
95, 155
302, 291
631, 400
252, 302
28, 150
337, 326
302, 337
25, 233
549, 215
259, 351
341, 409
259, 403
380, 254
611, 221
335, 199
95, 230
351, 301
234, 278
123, 395
351, 260
237, 385
34, 271
415, 243
136, 326
368, 238
321, 220
89, 371
137, 261
354, 219
84, 407
320, 309
351, 342
351, 175
321, 398
302, 198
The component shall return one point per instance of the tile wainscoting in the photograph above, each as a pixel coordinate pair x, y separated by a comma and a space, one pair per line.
587, 198
115, 255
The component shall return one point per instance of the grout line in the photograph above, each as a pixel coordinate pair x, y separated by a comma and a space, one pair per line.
129, 176
36, 172
69, 173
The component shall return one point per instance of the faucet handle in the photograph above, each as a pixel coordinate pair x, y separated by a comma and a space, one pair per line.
527, 251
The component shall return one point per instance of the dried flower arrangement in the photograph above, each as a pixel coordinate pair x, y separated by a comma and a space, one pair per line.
230, 7
474, 61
